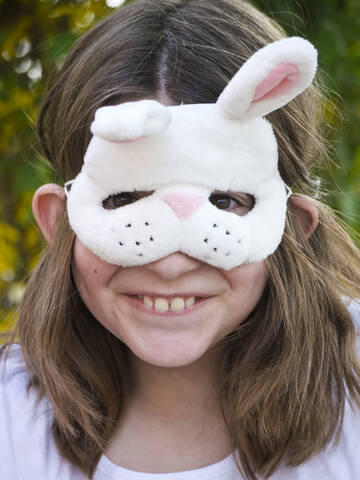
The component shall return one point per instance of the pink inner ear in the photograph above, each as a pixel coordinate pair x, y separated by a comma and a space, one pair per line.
277, 82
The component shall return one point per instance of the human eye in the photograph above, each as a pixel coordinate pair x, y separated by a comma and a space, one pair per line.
239, 203
117, 200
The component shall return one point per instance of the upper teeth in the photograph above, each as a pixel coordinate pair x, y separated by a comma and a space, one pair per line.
175, 304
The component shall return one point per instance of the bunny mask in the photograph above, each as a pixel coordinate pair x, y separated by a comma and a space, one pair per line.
183, 153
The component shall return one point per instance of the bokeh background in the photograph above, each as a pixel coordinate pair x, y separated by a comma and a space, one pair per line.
34, 38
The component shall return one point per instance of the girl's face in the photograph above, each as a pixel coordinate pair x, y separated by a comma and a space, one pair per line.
172, 338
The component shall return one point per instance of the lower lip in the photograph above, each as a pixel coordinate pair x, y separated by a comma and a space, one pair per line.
136, 302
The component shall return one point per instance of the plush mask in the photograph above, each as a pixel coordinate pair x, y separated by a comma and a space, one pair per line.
181, 155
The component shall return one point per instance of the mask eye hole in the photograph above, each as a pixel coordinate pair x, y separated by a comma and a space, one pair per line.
117, 200
239, 203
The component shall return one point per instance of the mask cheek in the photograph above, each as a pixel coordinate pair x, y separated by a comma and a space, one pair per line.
242, 246
267, 219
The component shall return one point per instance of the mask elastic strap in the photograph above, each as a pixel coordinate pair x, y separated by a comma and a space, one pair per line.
66, 185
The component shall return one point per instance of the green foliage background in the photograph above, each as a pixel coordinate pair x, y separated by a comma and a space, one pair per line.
34, 38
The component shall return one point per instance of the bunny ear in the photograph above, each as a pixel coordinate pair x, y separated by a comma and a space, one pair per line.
272, 77
130, 121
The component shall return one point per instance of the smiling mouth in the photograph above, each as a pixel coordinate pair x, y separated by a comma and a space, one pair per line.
161, 305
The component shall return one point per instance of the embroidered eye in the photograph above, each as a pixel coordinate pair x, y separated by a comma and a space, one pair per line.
122, 199
239, 203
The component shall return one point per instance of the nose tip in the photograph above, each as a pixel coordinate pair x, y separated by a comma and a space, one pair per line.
183, 204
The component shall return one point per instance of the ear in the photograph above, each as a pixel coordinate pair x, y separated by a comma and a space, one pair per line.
306, 212
47, 204
130, 121
272, 77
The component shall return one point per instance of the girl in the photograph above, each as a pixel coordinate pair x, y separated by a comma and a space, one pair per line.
257, 379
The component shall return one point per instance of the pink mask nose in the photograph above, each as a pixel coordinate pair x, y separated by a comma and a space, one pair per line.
183, 205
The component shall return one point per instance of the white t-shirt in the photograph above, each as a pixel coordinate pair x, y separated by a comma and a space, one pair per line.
27, 451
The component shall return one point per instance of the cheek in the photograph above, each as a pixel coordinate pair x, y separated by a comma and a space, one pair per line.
89, 271
247, 286
251, 274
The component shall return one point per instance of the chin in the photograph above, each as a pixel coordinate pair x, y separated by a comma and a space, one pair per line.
169, 355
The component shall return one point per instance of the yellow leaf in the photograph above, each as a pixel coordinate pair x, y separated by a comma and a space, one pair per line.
8, 319
31, 237
19, 32
8, 232
9, 236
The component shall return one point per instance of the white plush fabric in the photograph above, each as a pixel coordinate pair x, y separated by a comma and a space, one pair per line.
184, 153
238, 97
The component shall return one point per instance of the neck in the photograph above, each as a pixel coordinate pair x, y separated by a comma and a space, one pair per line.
177, 392
179, 409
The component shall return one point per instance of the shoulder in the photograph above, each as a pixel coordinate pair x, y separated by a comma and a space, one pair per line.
12, 366
14, 378
341, 459
353, 307
26, 447
13, 384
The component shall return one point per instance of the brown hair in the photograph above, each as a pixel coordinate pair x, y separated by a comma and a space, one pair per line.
287, 368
